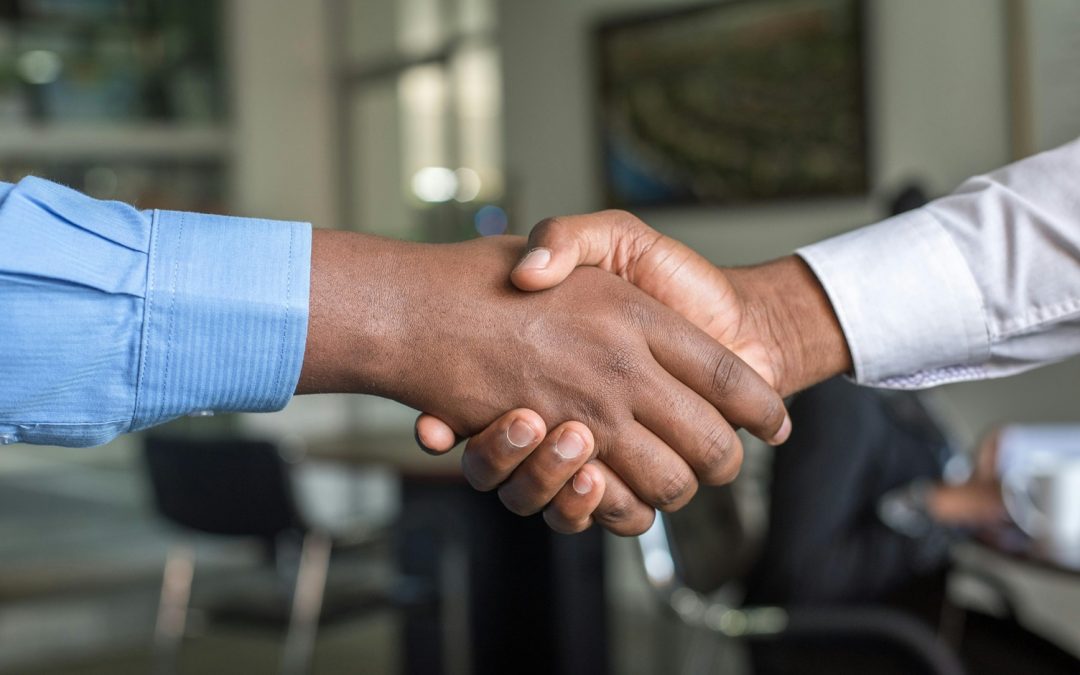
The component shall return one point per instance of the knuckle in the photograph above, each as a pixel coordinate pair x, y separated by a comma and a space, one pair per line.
481, 469
616, 511
635, 237
479, 477
774, 414
548, 227
676, 491
639, 525
723, 459
622, 362
516, 503
622, 218
543, 484
718, 452
562, 523
597, 412
727, 374
635, 312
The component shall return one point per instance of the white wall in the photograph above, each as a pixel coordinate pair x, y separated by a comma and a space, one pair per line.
938, 96
281, 102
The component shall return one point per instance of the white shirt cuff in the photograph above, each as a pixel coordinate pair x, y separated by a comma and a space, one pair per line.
906, 300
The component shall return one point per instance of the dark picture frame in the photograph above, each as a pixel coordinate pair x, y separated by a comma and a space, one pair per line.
738, 102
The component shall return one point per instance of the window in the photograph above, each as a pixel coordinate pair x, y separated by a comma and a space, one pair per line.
419, 107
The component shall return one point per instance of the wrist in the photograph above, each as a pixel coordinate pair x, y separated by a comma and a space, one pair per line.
356, 326
792, 316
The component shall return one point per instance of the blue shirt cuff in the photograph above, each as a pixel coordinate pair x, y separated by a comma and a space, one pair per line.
225, 317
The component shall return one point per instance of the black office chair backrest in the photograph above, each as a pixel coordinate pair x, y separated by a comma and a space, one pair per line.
228, 487
709, 543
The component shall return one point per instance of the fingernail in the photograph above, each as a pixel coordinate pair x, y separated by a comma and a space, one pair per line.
569, 445
785, 431
520, 434
582, 483
537, 259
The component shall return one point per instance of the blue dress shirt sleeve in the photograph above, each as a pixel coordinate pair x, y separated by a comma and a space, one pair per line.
114, 319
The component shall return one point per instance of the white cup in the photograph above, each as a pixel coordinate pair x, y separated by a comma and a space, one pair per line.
1040, 478
1047, 506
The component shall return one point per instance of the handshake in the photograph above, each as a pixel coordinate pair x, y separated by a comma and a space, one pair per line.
600, 369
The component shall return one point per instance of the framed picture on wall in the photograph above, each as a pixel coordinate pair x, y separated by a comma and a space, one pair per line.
733, 102
1044, 59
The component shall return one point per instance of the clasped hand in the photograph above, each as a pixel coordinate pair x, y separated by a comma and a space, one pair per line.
624, 378
686, 389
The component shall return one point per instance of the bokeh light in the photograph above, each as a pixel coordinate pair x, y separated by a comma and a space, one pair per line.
491, 220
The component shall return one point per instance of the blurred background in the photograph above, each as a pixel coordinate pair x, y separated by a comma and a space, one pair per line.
744, 128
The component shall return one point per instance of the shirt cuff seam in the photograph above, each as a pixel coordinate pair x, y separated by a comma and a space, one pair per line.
288, 312
171, 312
148, 315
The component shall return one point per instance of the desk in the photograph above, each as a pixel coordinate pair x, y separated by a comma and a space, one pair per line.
514, 597
1021, 611
1014, 544
395, 449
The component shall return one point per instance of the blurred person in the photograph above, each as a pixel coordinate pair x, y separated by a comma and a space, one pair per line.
116, 319
982, 283
924, 506
1003, 460
880, 534
824, 544
831, 546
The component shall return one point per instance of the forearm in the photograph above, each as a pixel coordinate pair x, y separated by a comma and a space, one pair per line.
404, 320
791, 312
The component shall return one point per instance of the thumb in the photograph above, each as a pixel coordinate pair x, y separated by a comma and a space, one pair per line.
559, 245
433, 435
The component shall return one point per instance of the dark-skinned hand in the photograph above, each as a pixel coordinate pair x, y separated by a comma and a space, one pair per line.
620, 379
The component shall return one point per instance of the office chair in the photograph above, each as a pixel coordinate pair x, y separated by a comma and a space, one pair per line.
695, 558
702, 611
234, 488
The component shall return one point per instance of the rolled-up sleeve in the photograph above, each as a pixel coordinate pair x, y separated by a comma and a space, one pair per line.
114, 319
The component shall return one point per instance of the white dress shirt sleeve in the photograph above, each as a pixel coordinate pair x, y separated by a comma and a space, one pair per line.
982, 283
